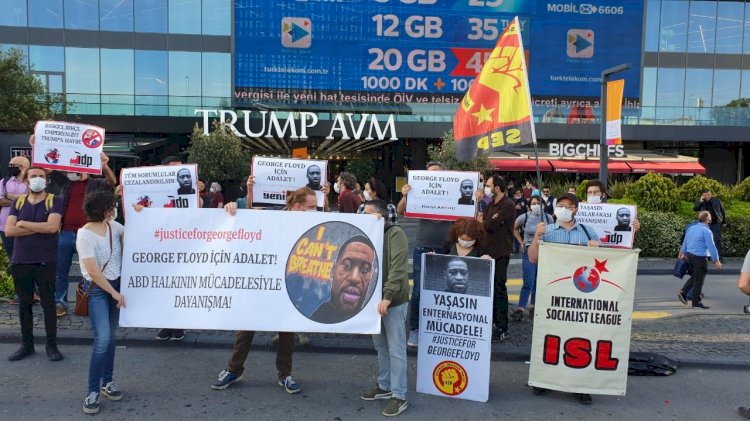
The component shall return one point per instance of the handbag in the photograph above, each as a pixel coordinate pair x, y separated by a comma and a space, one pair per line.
680, 268
82, 296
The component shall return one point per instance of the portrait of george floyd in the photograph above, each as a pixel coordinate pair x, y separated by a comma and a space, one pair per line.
458, 275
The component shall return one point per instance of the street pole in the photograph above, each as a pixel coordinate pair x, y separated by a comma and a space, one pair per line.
603, 149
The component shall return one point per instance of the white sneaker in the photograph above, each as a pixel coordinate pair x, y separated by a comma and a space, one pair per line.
413, 340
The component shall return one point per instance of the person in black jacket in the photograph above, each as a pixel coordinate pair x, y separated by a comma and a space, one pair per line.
718, 217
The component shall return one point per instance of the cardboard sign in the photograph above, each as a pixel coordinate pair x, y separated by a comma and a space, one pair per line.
160, 186
613, 223
275, 177
442, 195
68, 147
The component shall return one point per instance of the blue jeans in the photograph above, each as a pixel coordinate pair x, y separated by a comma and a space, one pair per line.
529, 281
417, 288
104, 316
391, 348
66, 247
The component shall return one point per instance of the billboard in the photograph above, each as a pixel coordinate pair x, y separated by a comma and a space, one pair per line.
426, 51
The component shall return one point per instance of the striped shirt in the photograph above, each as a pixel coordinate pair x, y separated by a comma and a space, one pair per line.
579, 234
392, 214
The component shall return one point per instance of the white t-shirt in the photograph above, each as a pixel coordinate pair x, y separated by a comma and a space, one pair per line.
746, 263
89, 244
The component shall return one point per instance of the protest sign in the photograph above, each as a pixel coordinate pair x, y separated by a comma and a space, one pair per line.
582, 319
275, 177
455, 327
69, 147
613, 223
441, 195
161, 186
259, 270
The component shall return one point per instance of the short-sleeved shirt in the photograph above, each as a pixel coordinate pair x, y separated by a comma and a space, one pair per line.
90, 244
74, 218
35, 248
392, 213
528, 222
12, 186
746, 263
578, 235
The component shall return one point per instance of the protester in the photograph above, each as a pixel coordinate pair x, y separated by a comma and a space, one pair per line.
34, 222
698, 244
217, 197
718, 216
348, 201
390, 344
548, 205
374, 190
11, 189
466, 238
203, 194
743, 283
596, 192
523, 231
99, 245
572, 190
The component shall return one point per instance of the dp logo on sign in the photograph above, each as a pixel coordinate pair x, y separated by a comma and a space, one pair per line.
81, 160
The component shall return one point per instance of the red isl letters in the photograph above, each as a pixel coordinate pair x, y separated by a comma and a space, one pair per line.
577, 353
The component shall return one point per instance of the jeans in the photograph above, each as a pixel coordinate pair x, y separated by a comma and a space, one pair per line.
24, 277
242, 342
529, 281
699, 267
391, 348
104, 316
416, 288
66, 247
500, 313
8, 243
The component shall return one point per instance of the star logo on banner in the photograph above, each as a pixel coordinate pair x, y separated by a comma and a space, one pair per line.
483, 114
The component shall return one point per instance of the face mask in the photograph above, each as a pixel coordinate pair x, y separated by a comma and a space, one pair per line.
73, 176
563, 214
336, 188
536, 209
114, 215
212, 190
594, 199
488, 192
14, 171
37, 184
466, 244
368, 196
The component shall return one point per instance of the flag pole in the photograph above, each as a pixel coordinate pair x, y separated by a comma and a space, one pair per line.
531, 107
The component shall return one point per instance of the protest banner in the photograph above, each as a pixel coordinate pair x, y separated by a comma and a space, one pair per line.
582, 319
275, 177
441, 195
613, 223
455, 327
68, 147
161, 186
259, 270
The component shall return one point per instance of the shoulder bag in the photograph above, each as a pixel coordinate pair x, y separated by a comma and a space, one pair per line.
82, 296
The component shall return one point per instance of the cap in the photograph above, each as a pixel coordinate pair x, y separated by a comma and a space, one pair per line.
570, 196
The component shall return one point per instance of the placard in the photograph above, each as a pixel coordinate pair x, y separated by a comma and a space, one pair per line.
160, 186
455, 327
613, 223
442, 195
259, 270
68, 147
275, 177
582, 319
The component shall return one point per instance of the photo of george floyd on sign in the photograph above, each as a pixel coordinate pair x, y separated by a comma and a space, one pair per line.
70, 147
161, 186
267, 270
455, 327
275, 177
582, 319
441, 195
613, 223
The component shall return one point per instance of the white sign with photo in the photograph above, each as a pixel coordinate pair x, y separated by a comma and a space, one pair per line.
442, 195
161, 186
68, 147
613, 223
275, 177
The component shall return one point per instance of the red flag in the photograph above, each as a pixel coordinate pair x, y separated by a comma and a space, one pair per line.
496, 111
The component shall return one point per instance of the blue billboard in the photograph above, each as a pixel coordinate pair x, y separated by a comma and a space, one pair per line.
429, 51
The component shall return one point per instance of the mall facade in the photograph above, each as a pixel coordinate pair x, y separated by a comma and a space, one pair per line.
381, 80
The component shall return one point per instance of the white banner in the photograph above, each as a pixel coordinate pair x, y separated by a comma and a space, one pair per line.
612, 222
259, 270
455, 327
442, 195
69, 147
584, 305
275, 177
161, 186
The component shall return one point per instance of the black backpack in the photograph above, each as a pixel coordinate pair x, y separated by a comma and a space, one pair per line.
650, 364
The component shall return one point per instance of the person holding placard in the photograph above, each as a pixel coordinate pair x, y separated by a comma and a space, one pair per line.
374, 190
348, 202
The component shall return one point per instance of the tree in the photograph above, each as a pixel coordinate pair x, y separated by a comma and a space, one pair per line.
363, 169
220, 155
23, 98
446, 153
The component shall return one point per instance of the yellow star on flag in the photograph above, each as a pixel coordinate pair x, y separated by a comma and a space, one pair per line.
483, 114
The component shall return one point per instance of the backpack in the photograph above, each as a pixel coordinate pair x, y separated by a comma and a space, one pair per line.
48, 201
526, 218
650, 364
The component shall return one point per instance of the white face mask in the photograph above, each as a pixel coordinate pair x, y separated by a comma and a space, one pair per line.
74, 176
368, 196
212, 190
536, 209
488, 192
563, 214
466, 244
593, 199
336, 188
37, 184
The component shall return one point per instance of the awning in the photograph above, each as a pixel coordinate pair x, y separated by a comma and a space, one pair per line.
520, 165
668, 167
562, 165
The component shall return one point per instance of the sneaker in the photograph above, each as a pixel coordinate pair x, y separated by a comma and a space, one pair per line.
395, 406
177, 335
413, 340
23, 352
517, 315
375, 394
163, 335
303, 339
499, 335
225, 379
531, 312
701, 305
743, 412
91, 403
275, 339
53, 353
111, 391
682, 297
289, 384
60, 311
583, 398
35, 299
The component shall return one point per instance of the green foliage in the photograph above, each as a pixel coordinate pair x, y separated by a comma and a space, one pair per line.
617, 188
6, 281
220, 155
735, 238
623, 201
741, 191
691, 191
363, 169
446, 153
660, 233
685, 210
654, 192
24, 100
556, 187
581, 190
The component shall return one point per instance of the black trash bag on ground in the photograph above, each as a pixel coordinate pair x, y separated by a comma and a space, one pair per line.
650, 364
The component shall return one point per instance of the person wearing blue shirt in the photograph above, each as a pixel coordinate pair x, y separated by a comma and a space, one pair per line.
697, 247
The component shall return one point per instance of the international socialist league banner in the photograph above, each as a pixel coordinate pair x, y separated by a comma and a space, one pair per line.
259, 270
455, 327
68, 147
275, 177
496, 113
613, 223
159, 186
582, 319
441, 195
615, 89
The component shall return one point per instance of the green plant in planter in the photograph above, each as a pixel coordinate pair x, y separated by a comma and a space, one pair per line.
654, 192
691, 191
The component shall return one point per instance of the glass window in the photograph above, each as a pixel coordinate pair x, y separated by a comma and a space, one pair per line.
151, 16
217, 17
698, 90
729, 25
15, 13
184, 74
702, 27
117, 71
116, 15
217, 73
45, 13
745, 88
726, 87
55, 84
151, 73
24, 49
670, 88
673, 30
185, 16
746, 43
652, 25
82, 14
47, 59
648, 95
82, 70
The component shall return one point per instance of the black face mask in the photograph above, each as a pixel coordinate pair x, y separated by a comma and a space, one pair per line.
14, 171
